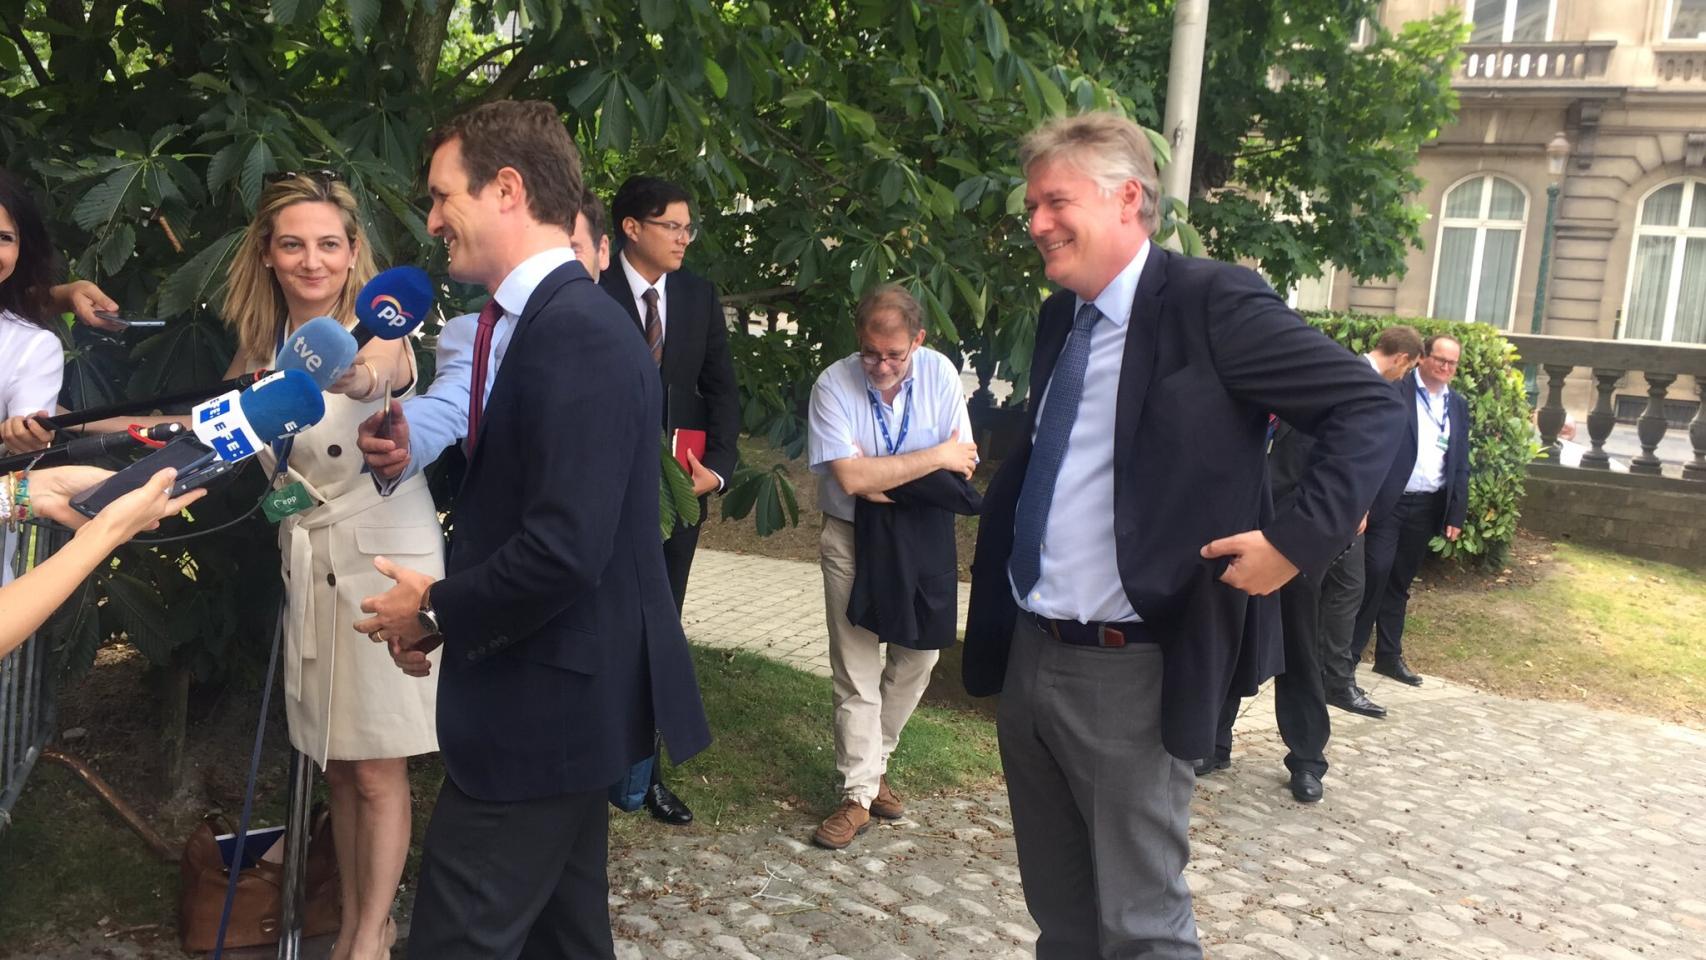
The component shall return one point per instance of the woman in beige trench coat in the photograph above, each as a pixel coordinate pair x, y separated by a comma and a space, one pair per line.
349, 707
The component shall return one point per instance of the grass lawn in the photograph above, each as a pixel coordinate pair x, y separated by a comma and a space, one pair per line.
67, 863
1567, 622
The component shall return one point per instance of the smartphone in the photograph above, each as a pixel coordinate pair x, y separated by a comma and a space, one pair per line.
196, 465
127, 320
386, 420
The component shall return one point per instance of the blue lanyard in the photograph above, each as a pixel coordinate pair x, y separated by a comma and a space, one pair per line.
905, 418
1444, 421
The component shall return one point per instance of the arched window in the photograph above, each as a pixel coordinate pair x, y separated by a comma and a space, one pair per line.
1667, 279
1480, 246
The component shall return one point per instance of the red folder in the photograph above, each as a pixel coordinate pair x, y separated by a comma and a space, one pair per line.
686, 440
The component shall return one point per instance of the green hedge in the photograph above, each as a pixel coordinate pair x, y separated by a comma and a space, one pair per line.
1501, 441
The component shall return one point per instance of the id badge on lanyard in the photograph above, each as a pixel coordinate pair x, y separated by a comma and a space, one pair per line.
1443, 424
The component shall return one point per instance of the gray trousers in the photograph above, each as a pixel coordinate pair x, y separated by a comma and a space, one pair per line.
1101, 811
1341, 595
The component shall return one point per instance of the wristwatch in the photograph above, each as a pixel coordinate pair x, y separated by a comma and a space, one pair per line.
427, 616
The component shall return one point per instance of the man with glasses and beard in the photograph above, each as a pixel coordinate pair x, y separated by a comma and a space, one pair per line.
892, 413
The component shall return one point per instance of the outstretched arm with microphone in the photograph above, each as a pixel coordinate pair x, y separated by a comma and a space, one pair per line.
28, 601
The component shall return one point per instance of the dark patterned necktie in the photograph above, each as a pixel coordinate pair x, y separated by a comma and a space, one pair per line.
654, 325
1054, 429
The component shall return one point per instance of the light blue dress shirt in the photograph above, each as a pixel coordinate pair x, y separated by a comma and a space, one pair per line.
439, 417
1080, 569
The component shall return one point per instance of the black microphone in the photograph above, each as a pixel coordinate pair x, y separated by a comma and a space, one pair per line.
86, 448
126, 408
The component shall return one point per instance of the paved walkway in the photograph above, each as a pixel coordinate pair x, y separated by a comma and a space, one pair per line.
1467, 825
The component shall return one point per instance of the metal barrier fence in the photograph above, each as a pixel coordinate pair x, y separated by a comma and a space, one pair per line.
26, 689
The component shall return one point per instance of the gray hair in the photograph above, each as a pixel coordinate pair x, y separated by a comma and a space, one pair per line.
1107, 148
888, 298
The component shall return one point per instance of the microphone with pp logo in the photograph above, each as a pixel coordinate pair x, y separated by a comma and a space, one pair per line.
392, 304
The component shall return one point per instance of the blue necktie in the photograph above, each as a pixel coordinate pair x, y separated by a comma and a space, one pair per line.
1065, 389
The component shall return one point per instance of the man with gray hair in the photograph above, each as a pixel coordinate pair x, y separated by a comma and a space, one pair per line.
1127, 552
892, 413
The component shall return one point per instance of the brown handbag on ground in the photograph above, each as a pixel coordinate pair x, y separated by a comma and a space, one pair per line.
256, 910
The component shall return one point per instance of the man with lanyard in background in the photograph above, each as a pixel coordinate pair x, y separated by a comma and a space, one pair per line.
890, 414
1434, 503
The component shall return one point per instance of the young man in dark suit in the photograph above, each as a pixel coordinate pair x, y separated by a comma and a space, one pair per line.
562, 649
1434, 503
1115, 625
681, 317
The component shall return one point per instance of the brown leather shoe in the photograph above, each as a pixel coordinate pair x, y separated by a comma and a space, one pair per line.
838, 830
887, 805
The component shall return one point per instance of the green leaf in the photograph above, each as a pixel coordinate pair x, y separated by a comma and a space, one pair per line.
657, 15
284, 12
613, 129
798, 98
162, 135
587, 91
363, 17
195, 281
994, 30
255, 168
117, 248
1159, 146
1016, 199
102, 203
718, 80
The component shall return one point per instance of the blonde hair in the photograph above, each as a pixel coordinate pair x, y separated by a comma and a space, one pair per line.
1105, 147
254, 304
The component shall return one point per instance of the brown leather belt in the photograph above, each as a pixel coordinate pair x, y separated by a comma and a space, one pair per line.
1096, 633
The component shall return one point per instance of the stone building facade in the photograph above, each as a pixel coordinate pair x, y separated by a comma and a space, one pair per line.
1625, 82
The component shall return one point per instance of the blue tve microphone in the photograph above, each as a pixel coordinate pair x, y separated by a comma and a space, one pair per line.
237, 425
321, 348
392, 304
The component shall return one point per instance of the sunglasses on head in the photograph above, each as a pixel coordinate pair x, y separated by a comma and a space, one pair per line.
323, 176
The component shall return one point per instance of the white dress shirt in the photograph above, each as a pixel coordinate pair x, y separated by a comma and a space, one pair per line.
1433, 434
32, 366
1080, 569
843, 424
439, 417
638, 286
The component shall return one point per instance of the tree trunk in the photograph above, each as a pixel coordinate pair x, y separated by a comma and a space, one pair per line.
425, 39
174, 726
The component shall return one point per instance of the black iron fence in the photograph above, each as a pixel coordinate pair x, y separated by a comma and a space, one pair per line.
26, 686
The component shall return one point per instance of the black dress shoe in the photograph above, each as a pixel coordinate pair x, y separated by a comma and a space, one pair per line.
1305, 787
1356, 702
1208, 765
1398, 670
666, 806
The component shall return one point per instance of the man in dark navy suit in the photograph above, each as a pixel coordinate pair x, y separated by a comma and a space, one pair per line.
1434, 503
1115, 623
681, 317
562, 648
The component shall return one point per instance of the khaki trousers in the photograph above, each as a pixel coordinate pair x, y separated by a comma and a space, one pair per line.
873, 698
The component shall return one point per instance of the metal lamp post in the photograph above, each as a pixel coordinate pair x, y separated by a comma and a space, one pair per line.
1557, 152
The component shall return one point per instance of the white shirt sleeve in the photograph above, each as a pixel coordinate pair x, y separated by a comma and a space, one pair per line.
39, 371
830, 429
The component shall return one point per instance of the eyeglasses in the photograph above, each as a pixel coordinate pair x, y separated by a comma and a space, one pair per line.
874, 360
1443, 363
323, 176
689, 230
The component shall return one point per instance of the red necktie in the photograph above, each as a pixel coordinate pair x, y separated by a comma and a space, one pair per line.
489, 315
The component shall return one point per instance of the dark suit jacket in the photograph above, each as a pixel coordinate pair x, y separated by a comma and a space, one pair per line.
1209, 351
562, 647
1403, 454
1456, 454
906, 565
697, 372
